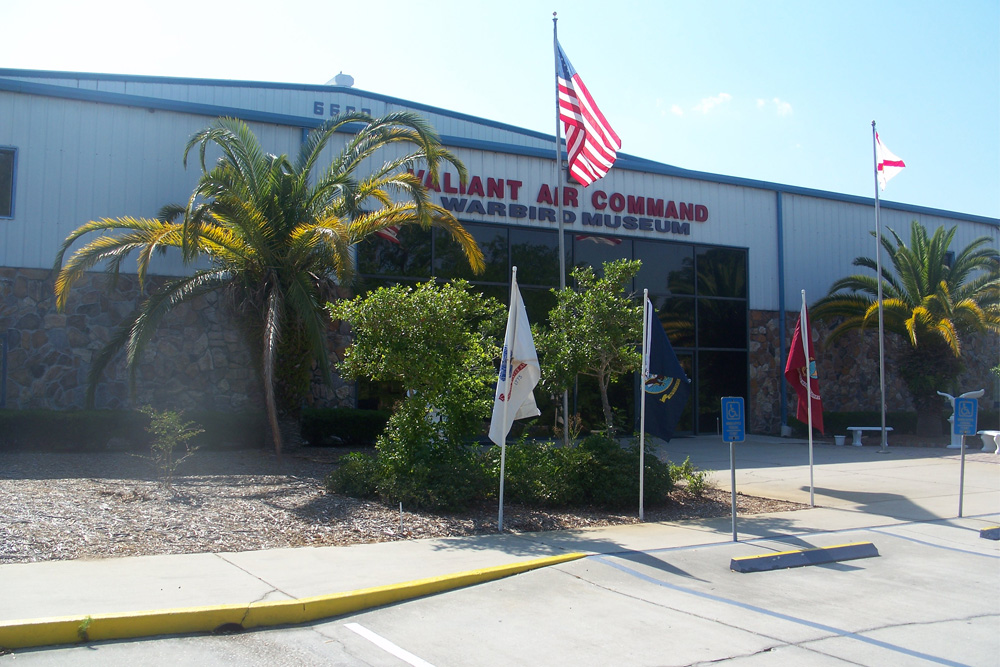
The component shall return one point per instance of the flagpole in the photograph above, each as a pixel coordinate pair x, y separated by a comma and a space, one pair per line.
559, 207
881, 325
643, 376
804, 330
508, 356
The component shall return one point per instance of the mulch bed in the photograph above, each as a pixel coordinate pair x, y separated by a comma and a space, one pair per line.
57, 506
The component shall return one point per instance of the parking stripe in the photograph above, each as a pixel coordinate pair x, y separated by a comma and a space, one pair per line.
387, 645
774, 614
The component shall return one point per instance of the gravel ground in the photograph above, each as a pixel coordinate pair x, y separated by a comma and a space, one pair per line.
56, 506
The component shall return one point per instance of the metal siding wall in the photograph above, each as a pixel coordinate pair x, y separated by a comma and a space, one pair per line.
822, 238
80, 161
292, 102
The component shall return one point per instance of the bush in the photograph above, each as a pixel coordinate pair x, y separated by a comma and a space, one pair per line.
343, 426
356, 476
421, 464
537, 473
598, 472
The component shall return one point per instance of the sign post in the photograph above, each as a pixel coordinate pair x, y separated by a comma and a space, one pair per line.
966, 416
733, 431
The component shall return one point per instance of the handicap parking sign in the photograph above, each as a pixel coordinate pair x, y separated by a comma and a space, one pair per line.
733, 429
966, 410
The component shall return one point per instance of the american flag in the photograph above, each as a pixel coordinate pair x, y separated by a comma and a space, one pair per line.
606, 240
591, 144
389, 234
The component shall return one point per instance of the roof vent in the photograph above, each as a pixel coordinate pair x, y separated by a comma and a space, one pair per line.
345, 80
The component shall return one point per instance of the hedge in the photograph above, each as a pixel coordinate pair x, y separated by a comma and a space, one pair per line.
325, 427
93, 430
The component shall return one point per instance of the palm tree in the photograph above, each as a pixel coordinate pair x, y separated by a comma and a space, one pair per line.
275, 234
932, 302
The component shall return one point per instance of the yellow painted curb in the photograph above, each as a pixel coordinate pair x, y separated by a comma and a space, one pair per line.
129, 625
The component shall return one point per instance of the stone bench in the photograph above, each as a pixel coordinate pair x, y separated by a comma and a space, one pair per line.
991, 441
858, 430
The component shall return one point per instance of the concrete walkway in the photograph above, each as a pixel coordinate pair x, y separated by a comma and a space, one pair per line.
855, 488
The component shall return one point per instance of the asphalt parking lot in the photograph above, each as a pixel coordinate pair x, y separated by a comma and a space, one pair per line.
931, 597
648, 594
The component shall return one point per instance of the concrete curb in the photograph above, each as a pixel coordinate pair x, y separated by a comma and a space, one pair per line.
785, 559
185, 620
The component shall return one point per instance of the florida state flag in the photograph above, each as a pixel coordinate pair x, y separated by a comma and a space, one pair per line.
802, 376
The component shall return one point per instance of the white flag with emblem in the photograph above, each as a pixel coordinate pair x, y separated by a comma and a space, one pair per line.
519, 371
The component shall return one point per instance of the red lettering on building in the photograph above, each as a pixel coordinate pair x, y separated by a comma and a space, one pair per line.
476, 187
494, 187
636, 205
545, 195
599, 200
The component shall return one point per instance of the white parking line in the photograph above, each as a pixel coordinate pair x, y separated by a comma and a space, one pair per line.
387, 645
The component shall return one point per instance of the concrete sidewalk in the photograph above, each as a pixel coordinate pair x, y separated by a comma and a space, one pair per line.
854, 487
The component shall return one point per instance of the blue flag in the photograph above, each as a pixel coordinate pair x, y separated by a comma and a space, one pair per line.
665, 385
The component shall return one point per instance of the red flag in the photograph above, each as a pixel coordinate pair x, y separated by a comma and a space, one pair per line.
591, 144
796, 373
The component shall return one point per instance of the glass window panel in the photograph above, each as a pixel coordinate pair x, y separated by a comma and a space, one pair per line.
594, 251
719, 374
537, 303
722, 323
722, 272
666, 267
677, 316
536, 256
410, 258
6, 182
450, 261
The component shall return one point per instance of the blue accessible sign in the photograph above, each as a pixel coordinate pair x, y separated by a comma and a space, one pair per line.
966, 416
733, 428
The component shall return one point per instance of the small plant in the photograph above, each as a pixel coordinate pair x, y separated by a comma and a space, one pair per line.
83, 630
696, 481
575, 428
168, 433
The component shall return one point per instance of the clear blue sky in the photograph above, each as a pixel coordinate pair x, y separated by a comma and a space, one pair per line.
781, 91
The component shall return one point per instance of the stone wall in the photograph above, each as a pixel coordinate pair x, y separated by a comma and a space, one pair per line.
196, 360
848, 371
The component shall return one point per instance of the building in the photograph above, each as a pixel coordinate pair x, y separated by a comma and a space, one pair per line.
726, 257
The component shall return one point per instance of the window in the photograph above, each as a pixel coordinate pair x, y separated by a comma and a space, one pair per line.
7, 182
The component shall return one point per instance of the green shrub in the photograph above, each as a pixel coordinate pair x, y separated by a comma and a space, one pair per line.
422, 465
71, 430
537, 473
597, 472
356, 476
343, 426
